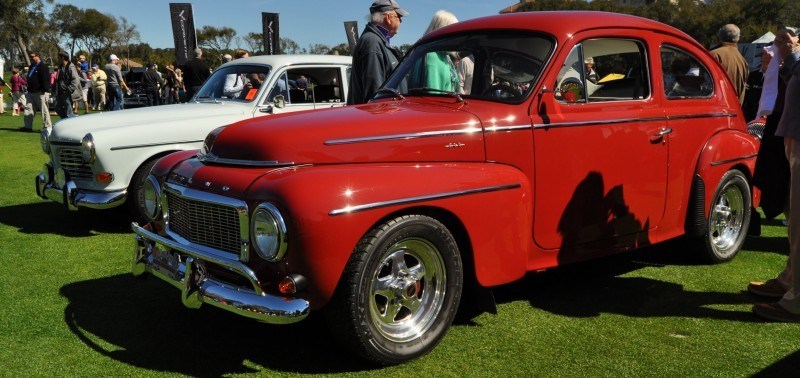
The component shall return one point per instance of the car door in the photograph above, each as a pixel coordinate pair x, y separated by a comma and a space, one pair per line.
601, 148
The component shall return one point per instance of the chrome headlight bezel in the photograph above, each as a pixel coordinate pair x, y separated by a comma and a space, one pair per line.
44, 140
268, 232
88, 148
151, 192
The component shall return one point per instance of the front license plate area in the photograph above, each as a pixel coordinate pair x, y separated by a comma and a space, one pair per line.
166, 259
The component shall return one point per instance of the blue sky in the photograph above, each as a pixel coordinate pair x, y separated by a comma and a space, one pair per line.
306, 22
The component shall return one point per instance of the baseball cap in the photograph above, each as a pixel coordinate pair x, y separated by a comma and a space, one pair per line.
387, 5
113, 57
95, 65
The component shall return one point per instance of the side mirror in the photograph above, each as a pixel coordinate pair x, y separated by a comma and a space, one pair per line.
266, 109
279, 101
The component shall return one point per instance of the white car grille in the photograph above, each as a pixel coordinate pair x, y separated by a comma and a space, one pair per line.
71, 160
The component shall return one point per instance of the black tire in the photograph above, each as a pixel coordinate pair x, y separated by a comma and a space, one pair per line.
728, 217
399, 292
135, 199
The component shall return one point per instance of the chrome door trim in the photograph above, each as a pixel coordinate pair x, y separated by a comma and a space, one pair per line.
497, 129
429, 197
629, 120
154, 144
424, 134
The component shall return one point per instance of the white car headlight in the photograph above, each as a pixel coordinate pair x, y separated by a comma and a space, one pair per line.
87, 148
152, 195
268, 232
44, 140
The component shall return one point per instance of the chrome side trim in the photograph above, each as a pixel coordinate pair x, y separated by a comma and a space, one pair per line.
191, 194
425, 134
707, 115
430, 197
154, 144
726, 161
598, 122
629, 120
213, 159
497, 129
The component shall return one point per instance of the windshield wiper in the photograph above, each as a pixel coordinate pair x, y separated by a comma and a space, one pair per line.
206, 99
436, 90
392, 91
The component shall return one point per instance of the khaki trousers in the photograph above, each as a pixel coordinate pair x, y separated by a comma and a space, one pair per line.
37, 102
790, 278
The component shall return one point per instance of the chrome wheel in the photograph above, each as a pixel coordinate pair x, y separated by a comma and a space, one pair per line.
407, 289
727, 218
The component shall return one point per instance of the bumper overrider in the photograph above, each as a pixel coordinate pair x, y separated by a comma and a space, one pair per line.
69, 195
185, 269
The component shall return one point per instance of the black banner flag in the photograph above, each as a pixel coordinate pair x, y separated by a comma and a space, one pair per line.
351, 29
272, 36
183, 31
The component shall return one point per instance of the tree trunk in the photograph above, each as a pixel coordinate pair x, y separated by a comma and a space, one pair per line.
23, 48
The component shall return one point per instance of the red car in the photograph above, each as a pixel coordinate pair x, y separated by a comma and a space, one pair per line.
499, 146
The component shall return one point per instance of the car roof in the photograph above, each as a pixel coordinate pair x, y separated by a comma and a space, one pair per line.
283, 60
561, 24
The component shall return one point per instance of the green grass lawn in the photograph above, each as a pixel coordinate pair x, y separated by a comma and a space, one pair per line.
70, 307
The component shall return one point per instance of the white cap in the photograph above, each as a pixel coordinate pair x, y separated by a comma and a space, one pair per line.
113, 57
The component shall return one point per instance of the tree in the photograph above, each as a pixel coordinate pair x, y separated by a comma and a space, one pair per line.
126, 34
318, 49
100, 32
289, 46
340, 49
254, 42
215, 41
66, 19
22, 22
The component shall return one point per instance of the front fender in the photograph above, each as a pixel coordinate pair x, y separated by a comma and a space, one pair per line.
328, 209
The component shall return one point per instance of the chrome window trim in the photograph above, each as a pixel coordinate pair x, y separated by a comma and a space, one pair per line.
629, 120
191, 194
423, 134
154, 144
213, 159
429, 197
726, 161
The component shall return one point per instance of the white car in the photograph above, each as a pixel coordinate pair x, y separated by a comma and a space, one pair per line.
101, 160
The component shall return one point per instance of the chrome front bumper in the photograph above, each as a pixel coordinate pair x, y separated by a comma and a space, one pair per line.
73, 198
184, 268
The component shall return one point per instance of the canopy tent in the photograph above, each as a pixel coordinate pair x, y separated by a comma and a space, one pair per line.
768, 37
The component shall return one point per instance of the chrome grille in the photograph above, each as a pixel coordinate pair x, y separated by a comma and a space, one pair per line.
71, 160
207, 224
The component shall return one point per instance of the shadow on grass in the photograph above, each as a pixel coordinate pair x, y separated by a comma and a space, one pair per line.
142, 322
52, 218
771, 244
593, 288
786, 367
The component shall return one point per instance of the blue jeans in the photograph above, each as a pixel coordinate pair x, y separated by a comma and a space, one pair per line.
64, 105
114, 97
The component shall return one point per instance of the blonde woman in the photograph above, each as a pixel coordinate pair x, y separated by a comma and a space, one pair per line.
439, 66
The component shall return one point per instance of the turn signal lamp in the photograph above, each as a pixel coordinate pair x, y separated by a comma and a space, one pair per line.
105, 177
287, 286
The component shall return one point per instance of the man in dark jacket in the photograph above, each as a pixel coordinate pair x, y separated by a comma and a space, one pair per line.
152, 83
374, 58
38, 79
68, 86
195, 73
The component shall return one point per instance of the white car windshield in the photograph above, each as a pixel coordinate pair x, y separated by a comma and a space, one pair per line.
234, 83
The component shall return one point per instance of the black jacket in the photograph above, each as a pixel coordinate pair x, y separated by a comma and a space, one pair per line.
373, 61
151, 79
195, 72
38, 78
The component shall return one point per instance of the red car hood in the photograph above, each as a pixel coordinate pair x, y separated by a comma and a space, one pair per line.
379, 132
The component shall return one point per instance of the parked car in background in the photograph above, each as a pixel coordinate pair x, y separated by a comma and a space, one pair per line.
102, 160
135, 96
381, 214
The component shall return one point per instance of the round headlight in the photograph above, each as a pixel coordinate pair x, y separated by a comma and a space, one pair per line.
268, 232
151, 197
45, 134
87, 148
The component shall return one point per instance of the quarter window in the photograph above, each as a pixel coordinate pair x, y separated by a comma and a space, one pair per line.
684, 76
309, 85
606, 69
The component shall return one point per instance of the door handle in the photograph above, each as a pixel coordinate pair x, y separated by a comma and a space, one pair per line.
660, 135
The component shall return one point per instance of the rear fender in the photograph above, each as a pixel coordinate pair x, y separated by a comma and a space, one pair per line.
328, 209
724, 151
